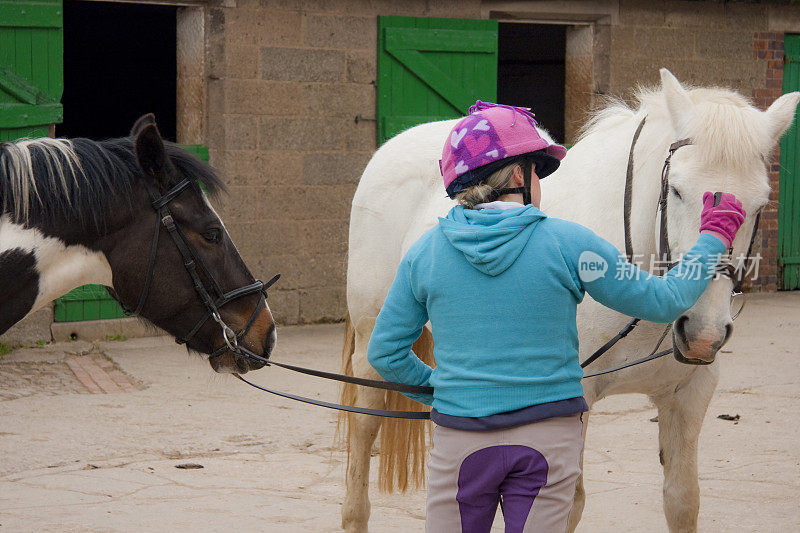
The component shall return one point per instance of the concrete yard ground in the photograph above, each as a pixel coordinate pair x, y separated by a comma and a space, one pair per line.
90, 437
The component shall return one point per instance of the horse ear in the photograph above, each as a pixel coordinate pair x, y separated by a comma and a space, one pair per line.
151, 154
780, 115
678, 102
141, 122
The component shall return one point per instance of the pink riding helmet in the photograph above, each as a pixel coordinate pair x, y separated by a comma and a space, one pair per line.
480, 142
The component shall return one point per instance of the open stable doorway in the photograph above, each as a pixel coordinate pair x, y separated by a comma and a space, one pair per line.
531, 71
119, 63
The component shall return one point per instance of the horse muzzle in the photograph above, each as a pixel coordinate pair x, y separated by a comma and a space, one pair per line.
698, 348
238, 361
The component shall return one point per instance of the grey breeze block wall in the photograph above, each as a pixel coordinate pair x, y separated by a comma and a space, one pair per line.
286, 81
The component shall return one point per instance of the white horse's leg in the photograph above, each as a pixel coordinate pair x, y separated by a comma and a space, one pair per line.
363, 431
680, 417
580, 493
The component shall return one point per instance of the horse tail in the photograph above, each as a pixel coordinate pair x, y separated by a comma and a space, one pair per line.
403, 443
347, 394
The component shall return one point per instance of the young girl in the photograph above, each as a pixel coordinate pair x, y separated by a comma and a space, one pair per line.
500, 283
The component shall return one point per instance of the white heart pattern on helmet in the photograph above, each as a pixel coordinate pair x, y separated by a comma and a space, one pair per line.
461, 167
493, 153
483, 125
456, 137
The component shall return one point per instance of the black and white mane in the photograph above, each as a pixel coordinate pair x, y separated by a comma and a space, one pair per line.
79, 181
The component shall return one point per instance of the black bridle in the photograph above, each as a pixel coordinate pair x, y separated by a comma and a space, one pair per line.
191, 261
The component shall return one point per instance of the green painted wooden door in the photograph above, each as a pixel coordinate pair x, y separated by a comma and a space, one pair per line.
31, 67
432, 69
789, 193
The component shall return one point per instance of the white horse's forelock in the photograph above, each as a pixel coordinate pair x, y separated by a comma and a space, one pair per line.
57, 155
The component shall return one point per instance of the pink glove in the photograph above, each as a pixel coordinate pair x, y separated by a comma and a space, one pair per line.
722, 216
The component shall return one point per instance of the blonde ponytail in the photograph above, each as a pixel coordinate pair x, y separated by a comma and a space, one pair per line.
486, 191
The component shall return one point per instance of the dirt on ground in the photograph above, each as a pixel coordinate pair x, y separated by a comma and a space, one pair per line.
92, 437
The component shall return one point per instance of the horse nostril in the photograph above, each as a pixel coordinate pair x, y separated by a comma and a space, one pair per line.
269, 341
728, 333
680, 328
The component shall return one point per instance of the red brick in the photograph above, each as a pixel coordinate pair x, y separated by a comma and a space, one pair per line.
82, 375
774, 83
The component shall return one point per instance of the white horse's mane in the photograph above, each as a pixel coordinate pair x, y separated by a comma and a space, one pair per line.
727, 127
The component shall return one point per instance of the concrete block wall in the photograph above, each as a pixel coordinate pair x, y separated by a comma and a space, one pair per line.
286, 80
706, 43
34, 328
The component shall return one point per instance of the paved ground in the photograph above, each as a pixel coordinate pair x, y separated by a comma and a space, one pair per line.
78, 453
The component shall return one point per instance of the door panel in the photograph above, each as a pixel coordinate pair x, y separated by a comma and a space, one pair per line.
789, 192
432, 69
31, 67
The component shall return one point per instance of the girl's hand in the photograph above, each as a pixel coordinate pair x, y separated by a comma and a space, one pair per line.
722, 216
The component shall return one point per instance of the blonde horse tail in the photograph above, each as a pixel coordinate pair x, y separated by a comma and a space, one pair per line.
347, 394
403, 443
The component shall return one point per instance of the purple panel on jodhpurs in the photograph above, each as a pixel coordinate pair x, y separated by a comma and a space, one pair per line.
515, 472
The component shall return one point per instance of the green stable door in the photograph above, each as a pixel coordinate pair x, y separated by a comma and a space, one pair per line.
432, 69
789, 192
31, 67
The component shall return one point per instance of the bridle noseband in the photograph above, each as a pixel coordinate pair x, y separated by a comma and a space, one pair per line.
191, 261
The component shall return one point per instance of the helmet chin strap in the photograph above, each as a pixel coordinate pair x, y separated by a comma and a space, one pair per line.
526, 188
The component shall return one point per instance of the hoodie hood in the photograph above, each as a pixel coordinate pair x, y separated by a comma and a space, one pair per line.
490, 239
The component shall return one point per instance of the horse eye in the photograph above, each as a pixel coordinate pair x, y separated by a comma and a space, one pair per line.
675, 192
212, 235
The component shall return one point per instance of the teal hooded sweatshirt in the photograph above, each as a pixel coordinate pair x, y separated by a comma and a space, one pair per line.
501, 290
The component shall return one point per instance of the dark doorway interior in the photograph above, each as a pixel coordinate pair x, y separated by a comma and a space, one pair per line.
530, 71
119, 63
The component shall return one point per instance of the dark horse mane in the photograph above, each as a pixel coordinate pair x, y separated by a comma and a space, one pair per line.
79, 181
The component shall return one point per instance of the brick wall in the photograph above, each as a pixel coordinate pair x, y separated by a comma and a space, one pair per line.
286, 80
768, 51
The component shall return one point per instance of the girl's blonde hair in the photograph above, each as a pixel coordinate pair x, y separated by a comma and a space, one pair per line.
486, 191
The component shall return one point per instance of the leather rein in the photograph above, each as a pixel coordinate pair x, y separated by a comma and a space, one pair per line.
735, 274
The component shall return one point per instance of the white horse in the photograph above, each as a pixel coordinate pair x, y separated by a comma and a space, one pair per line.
400, 196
